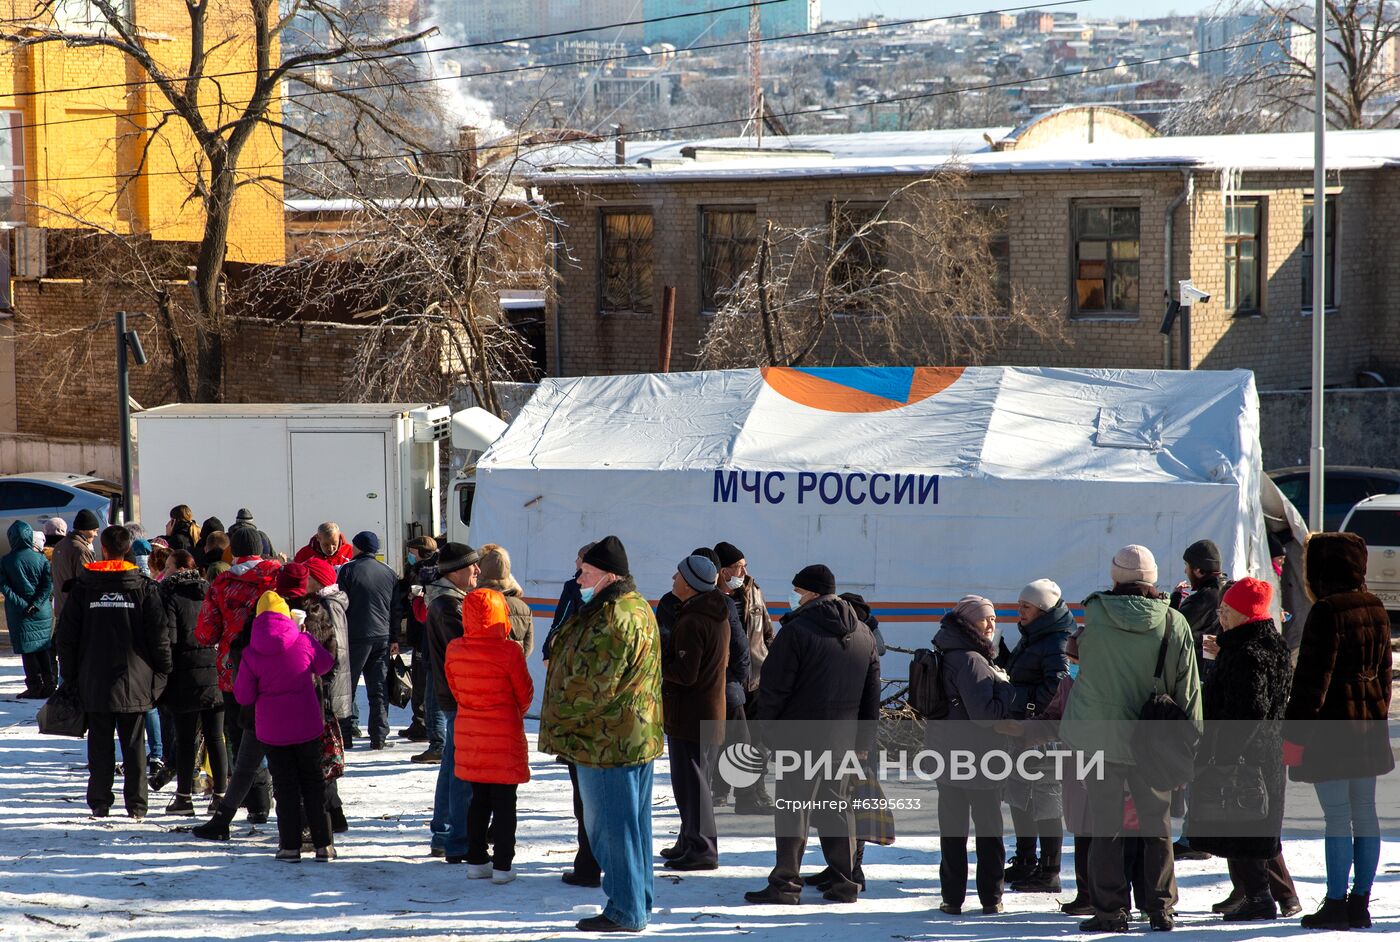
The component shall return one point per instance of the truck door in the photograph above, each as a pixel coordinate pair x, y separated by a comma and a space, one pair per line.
340, 476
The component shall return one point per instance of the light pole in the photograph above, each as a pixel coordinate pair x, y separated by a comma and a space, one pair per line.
127, 340
1319, 260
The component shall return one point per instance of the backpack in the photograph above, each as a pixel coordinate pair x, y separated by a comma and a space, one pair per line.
1164, 740
927, 696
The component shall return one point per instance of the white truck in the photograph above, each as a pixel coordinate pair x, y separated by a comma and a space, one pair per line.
367, 466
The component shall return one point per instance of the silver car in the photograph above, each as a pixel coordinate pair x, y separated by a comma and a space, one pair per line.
36, 496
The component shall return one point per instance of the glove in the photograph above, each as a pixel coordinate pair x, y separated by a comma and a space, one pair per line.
1292, 754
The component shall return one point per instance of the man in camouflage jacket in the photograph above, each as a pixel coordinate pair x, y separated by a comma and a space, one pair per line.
602, 712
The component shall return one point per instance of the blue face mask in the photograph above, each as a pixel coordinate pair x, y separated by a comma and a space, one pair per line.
794, 601
413, 559
586, 594
1074, 672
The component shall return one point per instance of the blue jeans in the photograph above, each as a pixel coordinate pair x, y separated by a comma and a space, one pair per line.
154, 745
434, 717
617, 814
449, 825
1352, 838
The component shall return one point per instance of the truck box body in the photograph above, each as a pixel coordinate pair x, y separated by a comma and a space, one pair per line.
367, 466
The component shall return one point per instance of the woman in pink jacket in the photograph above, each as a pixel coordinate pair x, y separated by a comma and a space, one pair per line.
276, 677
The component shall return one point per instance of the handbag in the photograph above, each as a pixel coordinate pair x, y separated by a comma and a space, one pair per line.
1164, 740
874, 816
332, 751
400, 685
1233, 792
62, 714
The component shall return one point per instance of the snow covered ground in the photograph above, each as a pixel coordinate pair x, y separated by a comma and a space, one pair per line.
64, 876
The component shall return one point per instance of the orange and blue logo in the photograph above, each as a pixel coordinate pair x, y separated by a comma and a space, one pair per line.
859, 389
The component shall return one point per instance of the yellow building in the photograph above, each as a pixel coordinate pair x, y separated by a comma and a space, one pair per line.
89, 141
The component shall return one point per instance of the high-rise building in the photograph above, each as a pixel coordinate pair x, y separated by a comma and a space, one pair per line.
776, 19
1231, 45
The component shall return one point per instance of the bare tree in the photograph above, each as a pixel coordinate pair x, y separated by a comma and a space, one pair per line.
194, 101
918, 279
1269, 78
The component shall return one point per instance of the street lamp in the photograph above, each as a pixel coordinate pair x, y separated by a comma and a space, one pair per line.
128, 342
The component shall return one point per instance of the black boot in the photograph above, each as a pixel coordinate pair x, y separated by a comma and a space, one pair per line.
1332, 914
1230, 903
1022, 868
1044, 880
338, 823
216, 828
1254, 908
857, 873
1359, 910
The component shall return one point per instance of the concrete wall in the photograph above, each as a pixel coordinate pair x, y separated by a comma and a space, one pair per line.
1363, 427
21, 453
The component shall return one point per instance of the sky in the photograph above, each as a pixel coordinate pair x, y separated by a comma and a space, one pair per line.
845, 9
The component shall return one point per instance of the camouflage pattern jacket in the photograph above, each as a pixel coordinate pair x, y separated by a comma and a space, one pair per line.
602, 700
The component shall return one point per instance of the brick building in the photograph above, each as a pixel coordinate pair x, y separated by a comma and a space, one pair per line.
1103, 218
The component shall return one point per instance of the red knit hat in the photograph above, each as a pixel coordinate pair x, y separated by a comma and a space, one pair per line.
320, 570
291, 581
1251, 598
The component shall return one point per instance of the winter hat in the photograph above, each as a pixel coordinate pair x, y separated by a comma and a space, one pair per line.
1251, 598
698, 572
244, 516
495, 568
86, 520
318, 569
815, 578
38, 540
583, 550
485, 609
291, 580
141, 548
1203, 555
211, 525
454, 556
423, 544
366, 541
609, 555
728, 554
974, 609
1133, 563
55, 528
272, 602
245, 541
1043, 594
708, 553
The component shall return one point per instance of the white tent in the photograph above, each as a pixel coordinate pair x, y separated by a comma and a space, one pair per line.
915, 485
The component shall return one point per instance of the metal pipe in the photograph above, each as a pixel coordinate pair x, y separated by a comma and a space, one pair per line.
124, 415
668, 323
554, 300
1169, 258
1319, 299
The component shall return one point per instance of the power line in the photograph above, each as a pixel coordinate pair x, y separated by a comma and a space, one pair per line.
458, 151
177, 80
490, 73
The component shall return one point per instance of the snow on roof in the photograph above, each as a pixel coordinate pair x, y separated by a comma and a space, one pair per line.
921, 152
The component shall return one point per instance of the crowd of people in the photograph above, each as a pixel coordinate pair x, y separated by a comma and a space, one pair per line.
241, 668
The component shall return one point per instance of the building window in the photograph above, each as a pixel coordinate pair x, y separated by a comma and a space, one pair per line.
729, 241
1243, 256
858, 273
1330, 260
997, 218
626, 250
12, 166
1106, 252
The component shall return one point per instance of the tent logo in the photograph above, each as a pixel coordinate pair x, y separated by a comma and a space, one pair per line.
859, 389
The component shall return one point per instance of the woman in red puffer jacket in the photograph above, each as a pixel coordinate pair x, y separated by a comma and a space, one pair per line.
487, 675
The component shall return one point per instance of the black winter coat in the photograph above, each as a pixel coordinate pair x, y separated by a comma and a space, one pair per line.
375, 613
1202, 611
736, 675
1243, 702
114, 640
978, 696
822, 667
693, 679
1038, 663
194, 681
1338, 707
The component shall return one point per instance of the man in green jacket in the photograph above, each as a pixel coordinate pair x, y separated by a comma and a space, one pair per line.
1123, 632
602, 712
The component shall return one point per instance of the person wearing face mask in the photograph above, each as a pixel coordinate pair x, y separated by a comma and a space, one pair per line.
602, 712
744, 669
428, 724
1125, 629
819, 692
979, 695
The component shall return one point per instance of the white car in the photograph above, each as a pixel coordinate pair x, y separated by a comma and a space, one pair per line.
1377, 521
36, 496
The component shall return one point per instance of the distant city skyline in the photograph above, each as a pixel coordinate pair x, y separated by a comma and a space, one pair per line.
908, 9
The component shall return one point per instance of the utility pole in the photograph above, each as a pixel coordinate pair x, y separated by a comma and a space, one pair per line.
756, 71
127, 340
1319, 260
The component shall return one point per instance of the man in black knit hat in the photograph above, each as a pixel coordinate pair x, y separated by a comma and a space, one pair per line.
742, 693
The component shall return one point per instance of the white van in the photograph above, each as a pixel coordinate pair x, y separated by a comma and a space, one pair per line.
1377, 521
